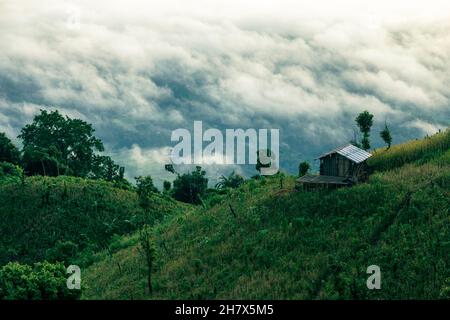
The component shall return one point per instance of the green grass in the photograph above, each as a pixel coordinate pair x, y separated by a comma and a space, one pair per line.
68, 218
420, 151
285, 244
273, 244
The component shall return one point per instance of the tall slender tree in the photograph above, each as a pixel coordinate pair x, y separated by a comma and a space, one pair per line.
365, 121
385, 134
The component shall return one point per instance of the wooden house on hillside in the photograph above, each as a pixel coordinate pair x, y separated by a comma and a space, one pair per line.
343, 166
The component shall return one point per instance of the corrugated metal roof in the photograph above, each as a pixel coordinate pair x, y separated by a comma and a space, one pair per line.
351, 152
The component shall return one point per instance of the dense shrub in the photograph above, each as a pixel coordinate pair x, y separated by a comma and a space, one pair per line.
43, 281
10, 173
190, 187
63, 251
233, 181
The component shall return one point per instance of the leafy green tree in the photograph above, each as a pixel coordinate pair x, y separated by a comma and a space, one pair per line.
190, 187
43, 281
167, 185
145, 189
16, 282
59, 144
103, 167
365, 143
38, 161
365, 121
386, 135
8, 151
445, 290
233, 181
145, 186
63, 251
303, 168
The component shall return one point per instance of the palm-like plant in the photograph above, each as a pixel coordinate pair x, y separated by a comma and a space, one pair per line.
233, 181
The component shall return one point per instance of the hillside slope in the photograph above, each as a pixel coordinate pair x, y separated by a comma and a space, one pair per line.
67, 219
282, 244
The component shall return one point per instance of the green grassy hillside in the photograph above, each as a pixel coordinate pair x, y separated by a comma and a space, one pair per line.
67, 219
415, 151
264, 242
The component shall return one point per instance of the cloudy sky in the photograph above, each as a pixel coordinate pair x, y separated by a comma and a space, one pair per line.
137, 70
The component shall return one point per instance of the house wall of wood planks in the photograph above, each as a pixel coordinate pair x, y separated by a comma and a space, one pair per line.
336, 165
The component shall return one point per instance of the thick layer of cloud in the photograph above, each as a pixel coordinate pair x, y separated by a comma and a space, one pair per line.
139, 69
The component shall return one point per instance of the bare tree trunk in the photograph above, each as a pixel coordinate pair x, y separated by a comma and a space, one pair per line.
43, 167
232, 210
149, 253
